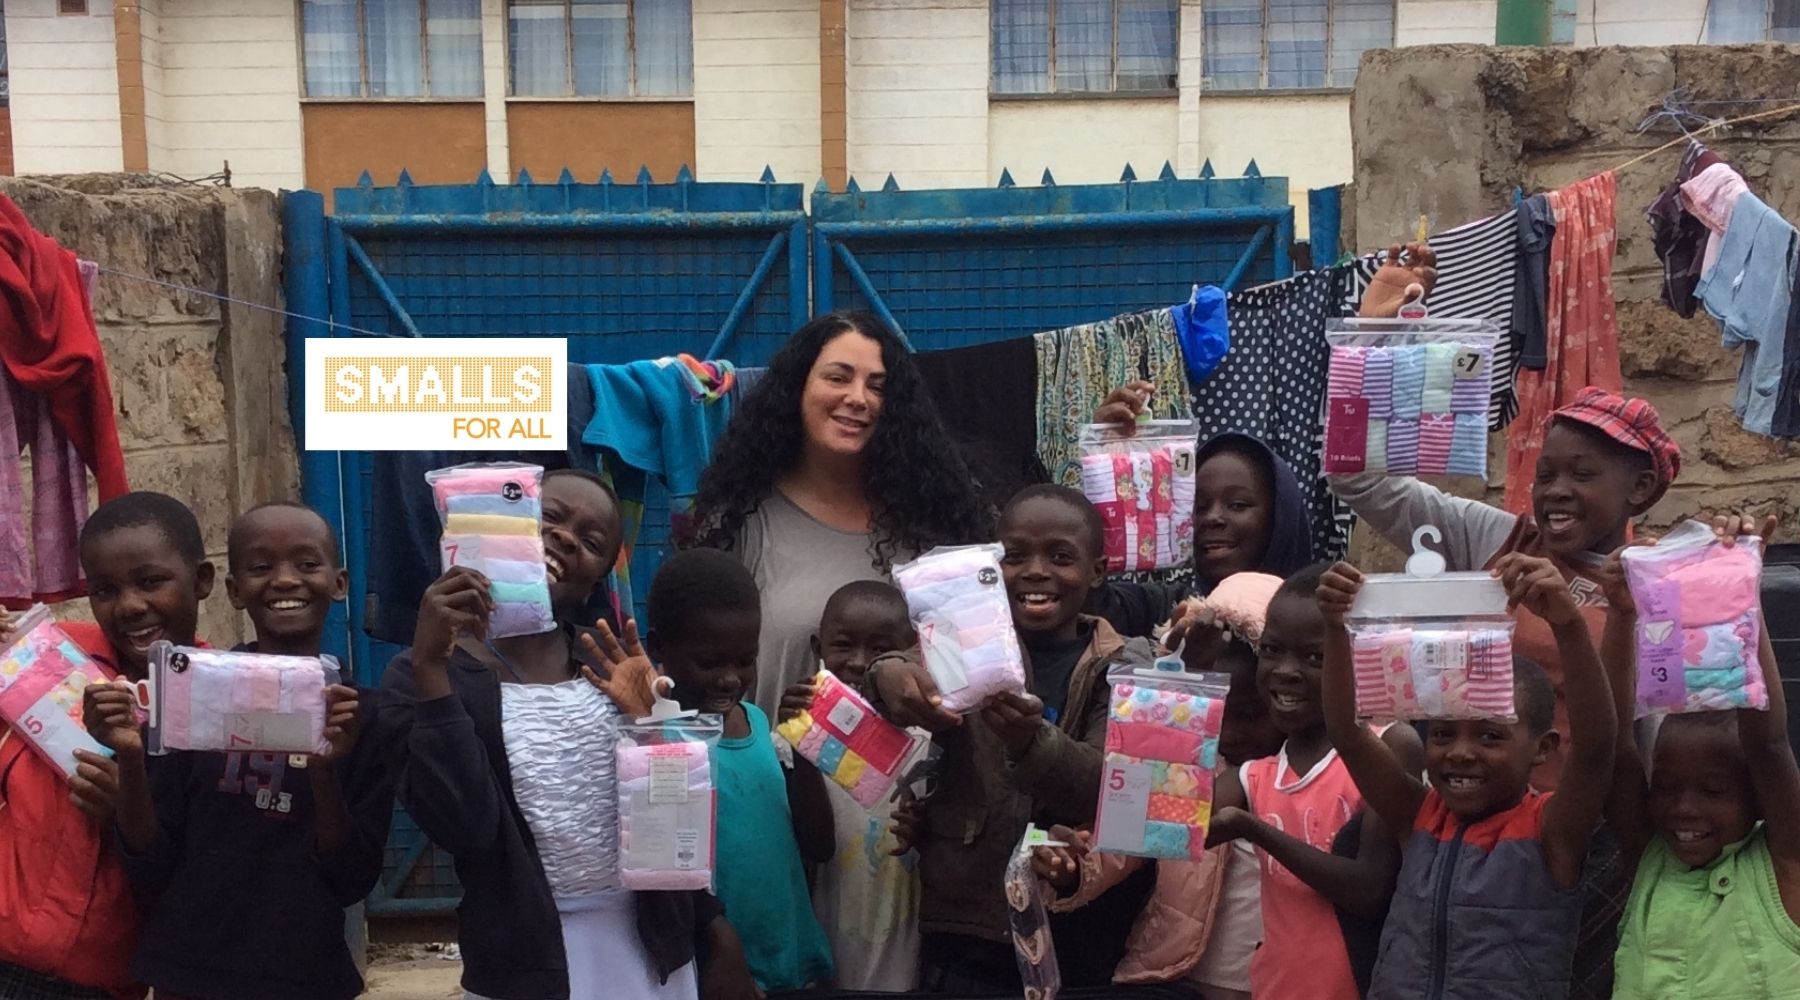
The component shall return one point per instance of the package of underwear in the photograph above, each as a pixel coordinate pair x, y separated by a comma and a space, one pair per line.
1699, 627
957, 599
1428, 644
1162, 746
1408, 397
667, 802
211, 699
1029, 921
1143, 486
42, 676
848, 742
492, 520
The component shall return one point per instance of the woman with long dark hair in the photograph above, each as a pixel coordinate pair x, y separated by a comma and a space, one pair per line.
835, 467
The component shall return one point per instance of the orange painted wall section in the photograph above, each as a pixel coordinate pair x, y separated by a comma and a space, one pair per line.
435, 143
589, 136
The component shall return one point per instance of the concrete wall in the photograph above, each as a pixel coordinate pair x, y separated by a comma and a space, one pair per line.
1495, 118
199, 391
64, 75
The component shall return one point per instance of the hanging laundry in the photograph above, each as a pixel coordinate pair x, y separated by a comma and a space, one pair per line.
1203, 330
1787, 397
987, 398
1477, 264
403, 527
1750, 292
648, 414
1677, 236
1077, 367
1710, 197
49, 344
46, 567
1531, 283
1272, 386
1583, 343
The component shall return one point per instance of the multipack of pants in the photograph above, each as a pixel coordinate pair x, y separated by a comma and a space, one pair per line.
493, 523
848, 741
667, 801
1143, 486
957, 600
1162, 747
1699, 627
42, 677
1408, 397
212, 699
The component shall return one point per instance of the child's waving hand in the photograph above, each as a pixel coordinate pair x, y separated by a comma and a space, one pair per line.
1535, 584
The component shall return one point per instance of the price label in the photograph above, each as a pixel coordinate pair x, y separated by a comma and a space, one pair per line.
1124, 805
668, 779
1469, 363
1183, 461
845, 716
1450, 652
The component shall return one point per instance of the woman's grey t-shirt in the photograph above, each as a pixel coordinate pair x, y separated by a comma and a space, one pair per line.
798, 564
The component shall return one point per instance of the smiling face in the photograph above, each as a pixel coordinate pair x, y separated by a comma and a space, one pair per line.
1700, 794
1481, 767
1051, 564
842, 398
713, 659
284, 574
581, 538
1247, 731
141, 589
1234, 504
1586, 489
854, 632
1290, 663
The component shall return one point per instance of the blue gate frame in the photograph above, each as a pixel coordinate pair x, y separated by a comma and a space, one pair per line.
623, 271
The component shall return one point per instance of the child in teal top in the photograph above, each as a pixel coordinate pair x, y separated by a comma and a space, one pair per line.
1714, 834
773, 821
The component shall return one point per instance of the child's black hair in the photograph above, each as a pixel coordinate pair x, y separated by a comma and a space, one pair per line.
1090, 515
235, 540
1635, 460
143, 508
884, 597
1303, 582
699, 582
1723, 721
592, 477
1533, 696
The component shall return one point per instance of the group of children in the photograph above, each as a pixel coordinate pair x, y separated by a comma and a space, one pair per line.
1452, 860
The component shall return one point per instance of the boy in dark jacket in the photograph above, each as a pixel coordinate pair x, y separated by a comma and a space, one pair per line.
1021, 758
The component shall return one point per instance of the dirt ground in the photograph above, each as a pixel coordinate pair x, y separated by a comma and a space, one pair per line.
413, 972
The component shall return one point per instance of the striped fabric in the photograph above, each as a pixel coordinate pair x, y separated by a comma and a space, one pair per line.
1476, 265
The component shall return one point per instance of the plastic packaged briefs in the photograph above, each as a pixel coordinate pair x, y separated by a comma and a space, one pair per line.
958, 605
1426, 644
1143, 486
42, 676
1408, 397
850, 744
205, 699
492, 518
667, 803
1698, 629
1029, 921
1162, 744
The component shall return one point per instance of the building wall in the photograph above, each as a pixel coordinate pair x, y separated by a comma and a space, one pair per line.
156, 112
1082, 142
918, 93
64, 74
756, 89
231, 91
435, 143
590, 136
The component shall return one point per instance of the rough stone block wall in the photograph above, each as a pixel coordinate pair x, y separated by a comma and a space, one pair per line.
1450, 131
198, 385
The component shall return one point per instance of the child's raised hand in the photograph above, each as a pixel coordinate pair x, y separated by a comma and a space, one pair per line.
1727, 528
1536, 585
456, 603
343, 723
796, 699
908, 695
110, 713
1337, 592
1198, 635
1121, 407
1407, 275
1611, 578
1061, 866
908, 822
95, 787
630, 679
1015, 718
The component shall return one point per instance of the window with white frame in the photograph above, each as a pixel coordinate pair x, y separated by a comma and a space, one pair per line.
1753, 21
1291, 44
601, 48
391, 48
1084, 46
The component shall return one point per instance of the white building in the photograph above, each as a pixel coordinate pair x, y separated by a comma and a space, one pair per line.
940, 93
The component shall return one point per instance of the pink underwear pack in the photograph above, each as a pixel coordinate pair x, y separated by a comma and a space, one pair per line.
1143, 486
957, 600
42, 677
667, 803
1699, 626
1162, 747
1408, 397
209, 699
492, 519
848, 742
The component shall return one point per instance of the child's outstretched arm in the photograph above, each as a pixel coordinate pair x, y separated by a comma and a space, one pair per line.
1391, 788
1574, 811
1628, 800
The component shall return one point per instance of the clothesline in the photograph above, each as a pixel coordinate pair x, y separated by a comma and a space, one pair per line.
1704, 130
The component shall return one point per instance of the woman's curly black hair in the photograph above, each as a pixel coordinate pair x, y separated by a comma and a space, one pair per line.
920, 491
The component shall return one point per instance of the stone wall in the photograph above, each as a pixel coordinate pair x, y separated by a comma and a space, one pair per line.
198, 386
1450, 130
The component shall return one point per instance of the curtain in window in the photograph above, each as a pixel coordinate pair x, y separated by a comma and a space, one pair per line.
333, 48
1233, 41
1784, 21
1356, 27
1296, 43
1148, 39
538, 48
600, 32
1021, 46
665, 48
1738, 21
1084, 31
453, 47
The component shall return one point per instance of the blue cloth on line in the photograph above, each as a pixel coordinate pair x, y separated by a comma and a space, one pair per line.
1749, 291
645, 414
1202, 331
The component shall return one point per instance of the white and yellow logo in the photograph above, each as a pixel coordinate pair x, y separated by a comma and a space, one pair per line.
494, 394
